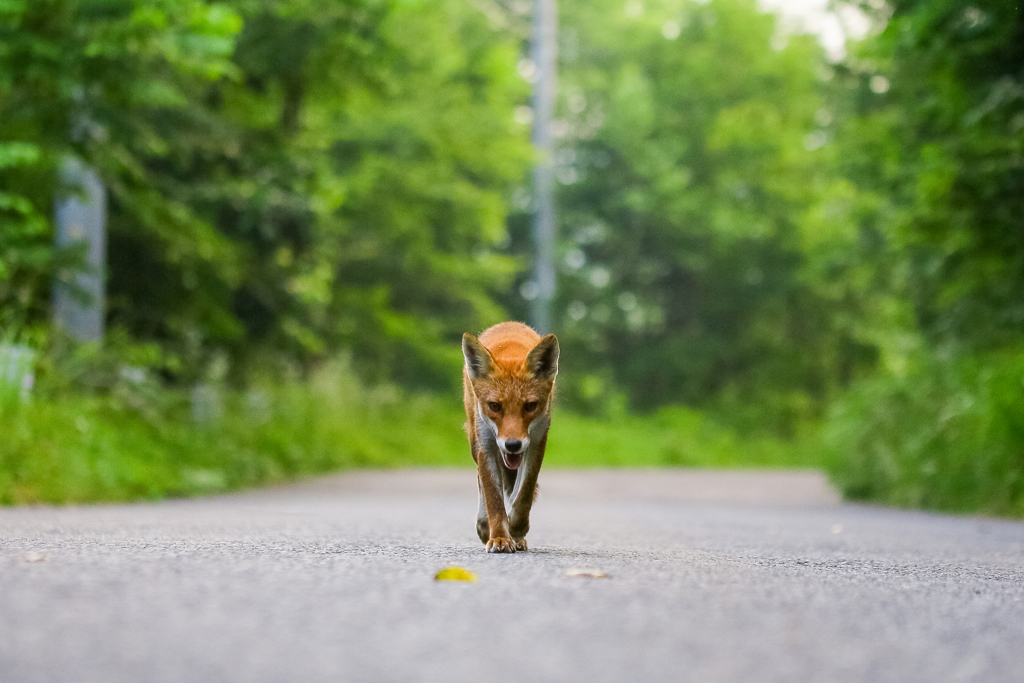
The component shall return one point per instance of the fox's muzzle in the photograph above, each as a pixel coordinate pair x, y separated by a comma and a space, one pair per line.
512, 451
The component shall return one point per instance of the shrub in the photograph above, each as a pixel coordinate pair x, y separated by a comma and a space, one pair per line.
948, 434
136, 440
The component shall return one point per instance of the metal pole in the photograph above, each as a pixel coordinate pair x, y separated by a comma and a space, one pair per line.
80, 217
544, 50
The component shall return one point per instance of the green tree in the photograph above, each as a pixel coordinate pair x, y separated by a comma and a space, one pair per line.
78, 77
942, 137
695, 176
285, 180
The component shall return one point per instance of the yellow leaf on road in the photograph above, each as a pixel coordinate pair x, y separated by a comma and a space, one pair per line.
455, 574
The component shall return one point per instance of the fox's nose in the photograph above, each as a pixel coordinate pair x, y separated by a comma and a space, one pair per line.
513, 445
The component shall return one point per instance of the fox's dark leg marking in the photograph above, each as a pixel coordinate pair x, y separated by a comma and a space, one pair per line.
508, 479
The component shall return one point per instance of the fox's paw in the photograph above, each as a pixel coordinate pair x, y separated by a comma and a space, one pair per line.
520, 544
501, 545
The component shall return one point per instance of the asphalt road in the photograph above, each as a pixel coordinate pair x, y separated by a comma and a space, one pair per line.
714, 577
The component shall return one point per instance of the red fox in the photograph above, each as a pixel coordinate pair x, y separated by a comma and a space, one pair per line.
509, 384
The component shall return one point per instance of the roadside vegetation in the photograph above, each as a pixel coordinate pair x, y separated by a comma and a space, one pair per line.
132, 439
947, 433
136, 440
768, 256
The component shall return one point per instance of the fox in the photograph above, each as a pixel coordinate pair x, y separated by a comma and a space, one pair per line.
508, 389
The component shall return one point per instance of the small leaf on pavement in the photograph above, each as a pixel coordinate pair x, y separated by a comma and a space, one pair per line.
455, 574
587, 573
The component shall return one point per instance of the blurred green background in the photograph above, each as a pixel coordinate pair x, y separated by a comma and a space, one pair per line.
768, 255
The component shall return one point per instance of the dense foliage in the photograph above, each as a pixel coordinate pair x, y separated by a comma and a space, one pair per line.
285, 178
89, 78
955, 115
940, 145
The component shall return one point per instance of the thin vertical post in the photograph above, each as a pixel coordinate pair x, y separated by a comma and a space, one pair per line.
80, 217
544, 52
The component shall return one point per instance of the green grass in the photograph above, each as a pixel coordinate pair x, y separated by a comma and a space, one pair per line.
137, 441
672, 437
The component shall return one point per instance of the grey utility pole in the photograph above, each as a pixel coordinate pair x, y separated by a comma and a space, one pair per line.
544, 52
80, 217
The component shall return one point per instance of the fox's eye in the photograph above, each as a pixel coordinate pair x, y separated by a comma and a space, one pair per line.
530, 406
494, 406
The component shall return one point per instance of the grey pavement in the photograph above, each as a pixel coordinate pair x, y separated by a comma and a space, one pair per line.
714, 576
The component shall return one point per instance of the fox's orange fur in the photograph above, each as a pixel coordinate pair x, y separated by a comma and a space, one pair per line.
509, 384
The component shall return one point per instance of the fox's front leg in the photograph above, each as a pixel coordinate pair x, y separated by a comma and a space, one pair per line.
498, 538
519, 515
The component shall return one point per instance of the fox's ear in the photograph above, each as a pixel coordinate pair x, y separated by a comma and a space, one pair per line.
542, 361
478, 359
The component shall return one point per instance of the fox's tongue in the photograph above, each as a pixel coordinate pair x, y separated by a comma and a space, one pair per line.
513, 460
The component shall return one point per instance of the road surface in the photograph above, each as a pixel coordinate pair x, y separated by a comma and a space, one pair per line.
713, 577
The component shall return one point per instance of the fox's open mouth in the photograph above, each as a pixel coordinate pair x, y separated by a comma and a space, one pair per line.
512, 460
